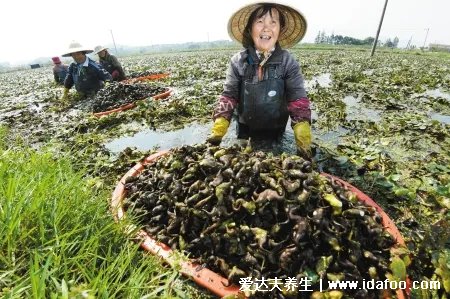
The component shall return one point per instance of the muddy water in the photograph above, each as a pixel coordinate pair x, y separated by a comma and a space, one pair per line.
197, 133
333, 137
158, 139
445, 119
437, 93
322, 80
355, 111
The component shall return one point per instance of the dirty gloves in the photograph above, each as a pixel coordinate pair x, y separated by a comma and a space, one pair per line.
218, 131
65, 94
302, 134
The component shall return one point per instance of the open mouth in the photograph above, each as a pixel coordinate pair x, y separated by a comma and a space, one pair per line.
265, 37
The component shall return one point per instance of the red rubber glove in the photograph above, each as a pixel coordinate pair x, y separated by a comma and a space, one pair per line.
115, 74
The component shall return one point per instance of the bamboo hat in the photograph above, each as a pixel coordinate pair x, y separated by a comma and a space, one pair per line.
99, 49
293, 32
75, 47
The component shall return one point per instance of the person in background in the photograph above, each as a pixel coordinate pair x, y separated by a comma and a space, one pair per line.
264, 81
110, 63
59, 70
87, 75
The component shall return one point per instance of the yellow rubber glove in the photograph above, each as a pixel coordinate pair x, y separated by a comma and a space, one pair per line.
302, 134
65, 94
219, 130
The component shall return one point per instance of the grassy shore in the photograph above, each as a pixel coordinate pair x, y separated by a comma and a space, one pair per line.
58, 239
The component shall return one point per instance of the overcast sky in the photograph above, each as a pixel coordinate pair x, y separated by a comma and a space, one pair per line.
31, 29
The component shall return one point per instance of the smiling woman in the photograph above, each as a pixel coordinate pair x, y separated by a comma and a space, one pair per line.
264, 81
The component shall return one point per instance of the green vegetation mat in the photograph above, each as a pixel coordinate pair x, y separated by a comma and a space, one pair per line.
380, 123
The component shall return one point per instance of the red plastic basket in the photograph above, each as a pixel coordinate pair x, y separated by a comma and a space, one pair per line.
203, 276
145, 78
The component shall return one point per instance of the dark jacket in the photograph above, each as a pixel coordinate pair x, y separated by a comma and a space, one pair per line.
111, 64
244, 67
88, 77
289, 70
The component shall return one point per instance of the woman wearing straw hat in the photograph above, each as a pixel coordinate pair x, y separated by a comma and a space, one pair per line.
86, 74
264, 81
59, 70
110, 63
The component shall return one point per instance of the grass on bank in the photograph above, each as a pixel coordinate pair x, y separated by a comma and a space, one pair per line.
58, 240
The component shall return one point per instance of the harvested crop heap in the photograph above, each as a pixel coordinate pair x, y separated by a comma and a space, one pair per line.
116, 95
252, 214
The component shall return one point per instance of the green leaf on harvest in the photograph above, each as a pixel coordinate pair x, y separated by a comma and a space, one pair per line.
398, 269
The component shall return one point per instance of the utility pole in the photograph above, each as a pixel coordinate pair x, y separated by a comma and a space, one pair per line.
409, 43
379, 28
426, 35
114, 42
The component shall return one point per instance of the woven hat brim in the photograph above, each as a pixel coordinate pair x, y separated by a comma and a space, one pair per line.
104, 48
74, 50
292, 34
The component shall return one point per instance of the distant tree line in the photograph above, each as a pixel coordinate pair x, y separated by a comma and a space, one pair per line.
439, 48
124, 50
336, 39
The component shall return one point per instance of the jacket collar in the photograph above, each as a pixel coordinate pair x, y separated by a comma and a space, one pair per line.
251, 51
85, 63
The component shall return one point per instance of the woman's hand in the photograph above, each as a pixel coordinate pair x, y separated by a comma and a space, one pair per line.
302, 134
218, 131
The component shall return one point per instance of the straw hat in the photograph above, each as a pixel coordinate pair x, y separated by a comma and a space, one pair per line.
99, 49
294, 31
75, 47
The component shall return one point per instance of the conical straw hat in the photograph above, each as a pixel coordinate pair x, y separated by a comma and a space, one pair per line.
75, 47
294, 31
99, 49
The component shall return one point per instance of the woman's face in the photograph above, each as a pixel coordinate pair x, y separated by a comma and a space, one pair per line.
102, 53
265, 31
79, 57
